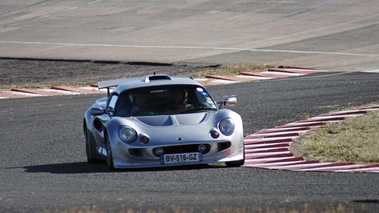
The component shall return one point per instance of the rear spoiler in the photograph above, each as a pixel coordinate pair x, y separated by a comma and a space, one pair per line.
110, 83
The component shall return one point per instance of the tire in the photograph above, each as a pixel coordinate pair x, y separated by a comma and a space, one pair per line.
89, 149
110, 162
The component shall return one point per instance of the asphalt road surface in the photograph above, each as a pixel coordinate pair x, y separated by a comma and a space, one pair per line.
43, 164
42, 154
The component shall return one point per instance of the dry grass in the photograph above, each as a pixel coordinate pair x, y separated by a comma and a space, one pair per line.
353, 140
230, 70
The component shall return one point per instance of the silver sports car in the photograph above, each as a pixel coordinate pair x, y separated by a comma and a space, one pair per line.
158, 121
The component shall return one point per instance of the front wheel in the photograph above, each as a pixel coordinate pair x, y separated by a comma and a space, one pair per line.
90, 151
109, 154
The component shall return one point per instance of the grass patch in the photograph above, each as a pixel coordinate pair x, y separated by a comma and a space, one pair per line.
354, 140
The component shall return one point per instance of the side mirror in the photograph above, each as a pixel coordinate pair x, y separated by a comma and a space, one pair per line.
229, 102
97, 111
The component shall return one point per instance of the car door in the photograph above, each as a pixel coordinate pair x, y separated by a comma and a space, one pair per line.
101, 120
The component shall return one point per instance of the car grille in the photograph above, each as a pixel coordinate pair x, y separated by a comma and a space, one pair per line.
181, 149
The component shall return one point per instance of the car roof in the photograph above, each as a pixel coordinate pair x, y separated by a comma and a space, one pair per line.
147, 81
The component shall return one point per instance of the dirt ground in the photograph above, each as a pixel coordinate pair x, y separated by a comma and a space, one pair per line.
40, 73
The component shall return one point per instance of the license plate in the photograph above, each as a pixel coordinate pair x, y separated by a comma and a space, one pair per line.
181, 158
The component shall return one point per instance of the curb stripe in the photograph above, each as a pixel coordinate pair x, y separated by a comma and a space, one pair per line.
284, 129
266, 150
264, 74
287, 160
304, 124
271, 155
301, 166
282, 163
36, 91
277, 134
267, 141
300, 71
342, 168
267, 145
229, 78
9, 94
252, 162
75, 89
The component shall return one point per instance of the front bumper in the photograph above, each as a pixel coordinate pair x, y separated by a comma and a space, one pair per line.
125, 156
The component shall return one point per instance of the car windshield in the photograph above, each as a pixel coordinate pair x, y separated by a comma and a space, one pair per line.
164, 100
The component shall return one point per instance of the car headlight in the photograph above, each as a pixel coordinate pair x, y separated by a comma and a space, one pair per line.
227, 126
127, 134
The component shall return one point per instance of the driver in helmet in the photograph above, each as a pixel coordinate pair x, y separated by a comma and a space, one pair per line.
179, 100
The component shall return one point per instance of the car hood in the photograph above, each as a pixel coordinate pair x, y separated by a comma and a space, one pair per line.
172, 120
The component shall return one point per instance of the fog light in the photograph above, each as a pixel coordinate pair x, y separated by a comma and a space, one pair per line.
144, 140
201, 148
159, 151
215, 134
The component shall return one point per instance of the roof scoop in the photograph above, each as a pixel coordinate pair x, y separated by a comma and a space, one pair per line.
149, 78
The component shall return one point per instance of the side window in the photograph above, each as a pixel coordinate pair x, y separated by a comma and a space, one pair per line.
124, 105
112, 104
204, 98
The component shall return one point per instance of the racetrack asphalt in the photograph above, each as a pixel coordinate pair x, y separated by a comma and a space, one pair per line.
43, 160
44, 168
